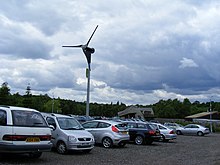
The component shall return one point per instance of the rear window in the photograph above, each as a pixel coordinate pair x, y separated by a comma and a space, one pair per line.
3, 118
121, 126
152, 126
28, 118
131, 125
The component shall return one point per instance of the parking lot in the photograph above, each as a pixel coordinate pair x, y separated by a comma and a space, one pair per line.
185, 150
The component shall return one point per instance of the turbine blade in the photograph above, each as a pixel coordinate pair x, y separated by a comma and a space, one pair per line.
75, 46
92, 35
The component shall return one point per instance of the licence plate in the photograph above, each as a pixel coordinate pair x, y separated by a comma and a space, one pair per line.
85, 144
124, 132
33, 139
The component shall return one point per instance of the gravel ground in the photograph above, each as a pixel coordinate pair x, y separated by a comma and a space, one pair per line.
185, 150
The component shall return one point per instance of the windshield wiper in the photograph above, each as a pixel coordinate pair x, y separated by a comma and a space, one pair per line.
74, 128
37, 123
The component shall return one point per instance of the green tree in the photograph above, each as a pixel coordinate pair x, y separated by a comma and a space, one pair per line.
52, 106
5, 94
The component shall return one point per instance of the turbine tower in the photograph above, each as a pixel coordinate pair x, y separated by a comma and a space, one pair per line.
87, 51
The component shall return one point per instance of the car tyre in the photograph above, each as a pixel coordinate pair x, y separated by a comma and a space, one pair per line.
200, 133
107, 142
61, 148
35, 154
139, 140
178, 132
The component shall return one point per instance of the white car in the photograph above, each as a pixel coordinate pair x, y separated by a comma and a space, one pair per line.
166, 132
68, 134
193, 129
23, 130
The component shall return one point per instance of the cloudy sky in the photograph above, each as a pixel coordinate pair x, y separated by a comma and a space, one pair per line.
146, 50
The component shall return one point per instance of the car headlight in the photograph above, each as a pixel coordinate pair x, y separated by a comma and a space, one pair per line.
72, 139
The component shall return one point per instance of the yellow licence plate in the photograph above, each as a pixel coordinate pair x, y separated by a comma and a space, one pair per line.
33, 139
124, 132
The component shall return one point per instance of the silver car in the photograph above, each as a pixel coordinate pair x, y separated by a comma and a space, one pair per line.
107, 132
68, 134
166, 132
193, 129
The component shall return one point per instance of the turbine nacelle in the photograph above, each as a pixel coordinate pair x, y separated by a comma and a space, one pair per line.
86, 50
91, 50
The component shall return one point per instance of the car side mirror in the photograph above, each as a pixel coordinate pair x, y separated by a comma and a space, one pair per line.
51, 127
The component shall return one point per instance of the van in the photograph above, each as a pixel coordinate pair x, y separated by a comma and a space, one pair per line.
23, 130
68, 134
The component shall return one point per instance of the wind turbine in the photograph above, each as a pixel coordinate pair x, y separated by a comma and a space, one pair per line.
87, 51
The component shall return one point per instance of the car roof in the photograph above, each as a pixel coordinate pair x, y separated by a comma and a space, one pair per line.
55, 115
137, 122
16, 108
107, 121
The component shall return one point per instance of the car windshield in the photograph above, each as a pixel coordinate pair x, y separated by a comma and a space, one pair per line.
28, 118
69, 124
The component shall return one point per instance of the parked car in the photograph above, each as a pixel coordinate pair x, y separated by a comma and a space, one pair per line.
23, 130
166, 133
173, 126
142, 133
68, 134
193, 129
108, 132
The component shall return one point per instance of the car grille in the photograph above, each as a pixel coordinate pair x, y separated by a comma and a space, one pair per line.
84, 139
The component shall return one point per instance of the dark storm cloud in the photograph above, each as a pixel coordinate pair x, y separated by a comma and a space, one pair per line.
145, 50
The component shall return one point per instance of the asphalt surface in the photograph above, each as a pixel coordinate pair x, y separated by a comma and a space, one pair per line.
185, 150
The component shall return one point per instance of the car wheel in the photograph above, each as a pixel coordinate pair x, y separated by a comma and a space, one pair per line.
61, 148
107, 142
200, 133
121, 144
163, 139
35, 154
178, 132
139, 140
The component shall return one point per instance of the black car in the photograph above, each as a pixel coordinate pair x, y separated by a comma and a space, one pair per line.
142, 133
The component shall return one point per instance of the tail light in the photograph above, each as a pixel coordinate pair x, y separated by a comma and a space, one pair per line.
45, 137
152, 132
172, 132
24, 137
14, 137
115, 129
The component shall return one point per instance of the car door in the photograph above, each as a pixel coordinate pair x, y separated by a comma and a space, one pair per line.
91, 126
102, 131
54, 132
194, 129
187, 129
4, 128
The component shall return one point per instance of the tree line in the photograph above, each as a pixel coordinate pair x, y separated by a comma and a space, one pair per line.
43, 103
